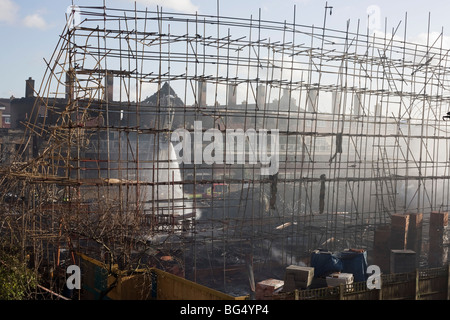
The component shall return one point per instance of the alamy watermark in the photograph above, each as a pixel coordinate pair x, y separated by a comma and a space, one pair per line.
73, 17
374, 280
236, 146
374, 18
74, 280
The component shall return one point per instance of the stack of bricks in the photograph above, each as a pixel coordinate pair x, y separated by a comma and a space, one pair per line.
415, 235
403, 261
266, 289
438, 251
404, 235
399, 231
297, 277
381, 251
337, 278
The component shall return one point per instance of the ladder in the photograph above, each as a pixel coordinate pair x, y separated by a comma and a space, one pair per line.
383, 183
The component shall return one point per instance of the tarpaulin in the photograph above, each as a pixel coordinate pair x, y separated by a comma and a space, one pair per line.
355, 262
348, 261
325, 262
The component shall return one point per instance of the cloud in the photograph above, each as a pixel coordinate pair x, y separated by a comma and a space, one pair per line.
179, 5
433, 39
8, 11
35, 21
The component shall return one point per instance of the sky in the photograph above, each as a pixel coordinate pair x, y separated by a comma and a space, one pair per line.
30, 30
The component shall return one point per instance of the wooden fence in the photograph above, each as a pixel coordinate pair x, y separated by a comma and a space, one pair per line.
423, 284
147, 284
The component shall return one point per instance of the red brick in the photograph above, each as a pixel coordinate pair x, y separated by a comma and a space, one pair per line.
414, 241
381, 251
400, 220
437, 255
438, 218
265, 289
399, 231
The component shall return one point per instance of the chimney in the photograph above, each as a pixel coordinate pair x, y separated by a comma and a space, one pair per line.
29, 88
260, 96
357, 104
311, 102
70, 80
232, 95
336, 100
202, 93
109, 87
378, 109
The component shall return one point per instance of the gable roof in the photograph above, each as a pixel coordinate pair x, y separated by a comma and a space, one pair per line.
163, 94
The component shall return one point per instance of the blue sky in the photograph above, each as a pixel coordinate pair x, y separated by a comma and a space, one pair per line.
30, 29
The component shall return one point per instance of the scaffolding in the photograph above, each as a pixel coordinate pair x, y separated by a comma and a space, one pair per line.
135, 118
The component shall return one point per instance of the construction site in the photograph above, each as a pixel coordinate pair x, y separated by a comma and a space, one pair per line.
222, 150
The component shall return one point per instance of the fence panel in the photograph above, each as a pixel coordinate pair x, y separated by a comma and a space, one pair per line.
171, 287
433, 284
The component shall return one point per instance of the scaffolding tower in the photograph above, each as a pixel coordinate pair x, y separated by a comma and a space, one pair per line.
139, 157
